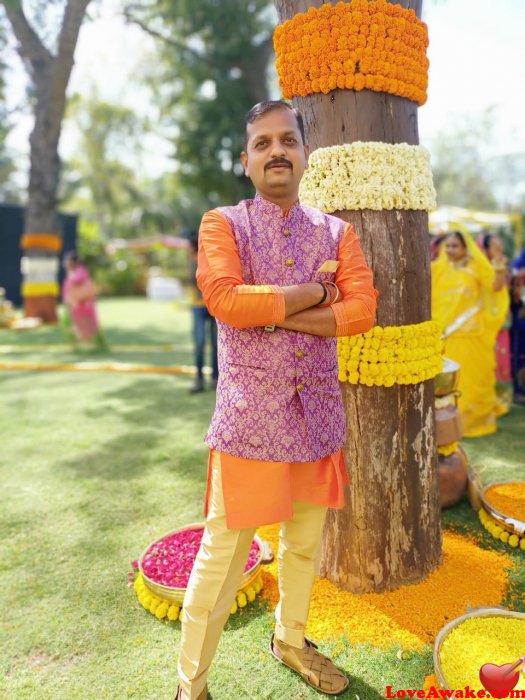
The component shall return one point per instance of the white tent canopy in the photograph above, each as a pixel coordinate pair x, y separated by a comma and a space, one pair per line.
448, 218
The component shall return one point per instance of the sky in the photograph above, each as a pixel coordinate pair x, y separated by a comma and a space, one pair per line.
477, 62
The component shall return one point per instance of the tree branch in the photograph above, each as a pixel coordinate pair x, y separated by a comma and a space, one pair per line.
170, 41
62, 65
73, 17
30, 47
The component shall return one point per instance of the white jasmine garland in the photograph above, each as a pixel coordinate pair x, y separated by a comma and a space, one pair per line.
369, 175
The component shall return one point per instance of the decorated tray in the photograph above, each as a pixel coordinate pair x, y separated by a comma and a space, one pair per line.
483, 649
164, 568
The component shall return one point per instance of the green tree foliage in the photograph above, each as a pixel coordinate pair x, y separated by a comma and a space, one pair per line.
98, 182
459, 164
213, 68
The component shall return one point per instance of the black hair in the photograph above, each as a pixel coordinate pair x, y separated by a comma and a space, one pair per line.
486, 240
194, 241
459, 236
266, 106
71, 256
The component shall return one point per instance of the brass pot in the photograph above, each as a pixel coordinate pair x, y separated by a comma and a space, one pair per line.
447, 380
453, 477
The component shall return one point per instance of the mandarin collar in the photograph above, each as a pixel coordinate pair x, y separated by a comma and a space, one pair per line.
265, 206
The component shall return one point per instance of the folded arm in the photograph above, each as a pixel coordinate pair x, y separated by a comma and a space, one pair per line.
228, 298
355, 313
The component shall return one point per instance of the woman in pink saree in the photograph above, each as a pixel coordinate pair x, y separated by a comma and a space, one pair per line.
79, 296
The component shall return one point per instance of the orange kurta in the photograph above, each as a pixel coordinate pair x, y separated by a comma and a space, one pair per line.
259, 492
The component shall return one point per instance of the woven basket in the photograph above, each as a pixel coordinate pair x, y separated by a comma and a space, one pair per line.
476, 493
445, 631
176, 595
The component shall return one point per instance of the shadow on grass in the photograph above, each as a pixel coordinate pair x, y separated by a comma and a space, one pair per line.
500, 457
147, 402
131, 455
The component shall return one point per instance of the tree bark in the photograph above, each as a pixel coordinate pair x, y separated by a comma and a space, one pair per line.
50, 76
389, 533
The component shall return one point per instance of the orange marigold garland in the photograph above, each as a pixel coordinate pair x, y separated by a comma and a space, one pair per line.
45, 241
374, 45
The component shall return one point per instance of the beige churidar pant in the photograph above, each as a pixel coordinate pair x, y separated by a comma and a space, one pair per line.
216, 578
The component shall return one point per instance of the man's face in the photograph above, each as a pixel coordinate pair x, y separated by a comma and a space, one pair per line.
275, 156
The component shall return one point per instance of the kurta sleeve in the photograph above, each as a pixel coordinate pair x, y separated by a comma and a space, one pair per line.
355, 313
219, 277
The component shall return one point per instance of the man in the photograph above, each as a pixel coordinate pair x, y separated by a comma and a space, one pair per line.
202, 319
282, 281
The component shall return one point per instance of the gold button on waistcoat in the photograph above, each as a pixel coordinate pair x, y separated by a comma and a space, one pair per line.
289, 262
299, 354
286, 232
300, 387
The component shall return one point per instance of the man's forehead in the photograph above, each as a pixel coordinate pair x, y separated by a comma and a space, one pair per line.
278, 121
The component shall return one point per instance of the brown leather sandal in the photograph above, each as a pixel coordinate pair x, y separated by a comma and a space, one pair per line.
315, 668
202, 696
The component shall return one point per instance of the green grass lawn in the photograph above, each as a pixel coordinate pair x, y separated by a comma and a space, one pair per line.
95, 466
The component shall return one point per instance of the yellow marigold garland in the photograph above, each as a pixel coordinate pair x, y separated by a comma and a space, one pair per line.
168, 610
369, 175
40, 289
495, 529
447, 450
374, 45
391, 355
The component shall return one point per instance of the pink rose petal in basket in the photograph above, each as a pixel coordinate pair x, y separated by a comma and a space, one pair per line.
170, 560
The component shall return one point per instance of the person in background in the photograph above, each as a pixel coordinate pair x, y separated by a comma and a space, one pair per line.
202, 319
497, 309
435, 245
463, 284
517, 329
79, 297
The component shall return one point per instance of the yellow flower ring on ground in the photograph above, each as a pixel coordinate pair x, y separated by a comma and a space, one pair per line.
168, 610
374, 45
500, 533
369, 175
391, 355
410, 616
40, 289
45, 241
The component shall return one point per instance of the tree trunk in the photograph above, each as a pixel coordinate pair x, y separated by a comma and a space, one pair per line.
389, 533
50, 76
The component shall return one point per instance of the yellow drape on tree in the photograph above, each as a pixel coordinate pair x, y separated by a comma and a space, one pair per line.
463, 301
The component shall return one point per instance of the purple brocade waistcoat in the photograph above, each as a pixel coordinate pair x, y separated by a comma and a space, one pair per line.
278, 395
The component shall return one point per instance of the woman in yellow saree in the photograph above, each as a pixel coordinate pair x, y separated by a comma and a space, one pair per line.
463, 303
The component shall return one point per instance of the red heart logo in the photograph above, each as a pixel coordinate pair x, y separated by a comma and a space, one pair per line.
497, 680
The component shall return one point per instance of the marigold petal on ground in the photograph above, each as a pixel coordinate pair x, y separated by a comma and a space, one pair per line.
410, 616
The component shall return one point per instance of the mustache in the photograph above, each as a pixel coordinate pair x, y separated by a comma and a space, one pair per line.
278, 161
